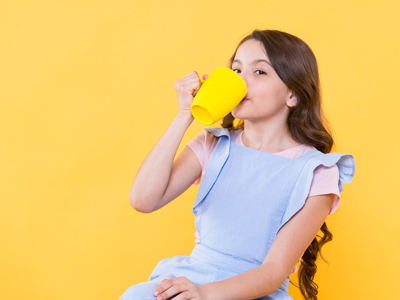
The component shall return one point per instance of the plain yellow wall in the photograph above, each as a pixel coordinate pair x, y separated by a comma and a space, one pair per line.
86, 89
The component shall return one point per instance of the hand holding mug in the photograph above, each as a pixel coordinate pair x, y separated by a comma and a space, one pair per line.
185, 89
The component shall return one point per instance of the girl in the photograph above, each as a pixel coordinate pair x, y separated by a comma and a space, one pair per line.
267, 183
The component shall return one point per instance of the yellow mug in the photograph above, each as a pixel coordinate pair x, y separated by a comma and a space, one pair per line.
218, 95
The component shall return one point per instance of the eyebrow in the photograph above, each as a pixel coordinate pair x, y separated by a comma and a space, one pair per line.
256, 61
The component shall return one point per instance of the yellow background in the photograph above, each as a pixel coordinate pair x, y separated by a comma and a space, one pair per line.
86, 89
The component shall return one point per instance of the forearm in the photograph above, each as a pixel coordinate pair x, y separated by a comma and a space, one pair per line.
152, 178
257, 282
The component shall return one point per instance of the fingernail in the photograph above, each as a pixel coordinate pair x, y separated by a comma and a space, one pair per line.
155, 293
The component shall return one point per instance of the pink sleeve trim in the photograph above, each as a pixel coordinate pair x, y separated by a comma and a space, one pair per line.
325, 181
203, 146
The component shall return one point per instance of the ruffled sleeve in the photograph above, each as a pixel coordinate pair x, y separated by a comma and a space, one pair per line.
345, 165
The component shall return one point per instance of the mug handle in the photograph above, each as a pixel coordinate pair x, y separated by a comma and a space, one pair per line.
201, 83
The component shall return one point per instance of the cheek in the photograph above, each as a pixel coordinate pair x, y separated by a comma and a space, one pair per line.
275, 92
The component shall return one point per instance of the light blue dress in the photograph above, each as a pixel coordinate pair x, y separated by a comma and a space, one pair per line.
245, 198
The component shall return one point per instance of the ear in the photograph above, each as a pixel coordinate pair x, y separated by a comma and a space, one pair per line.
291, 101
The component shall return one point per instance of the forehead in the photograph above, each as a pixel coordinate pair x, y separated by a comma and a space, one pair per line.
251, 49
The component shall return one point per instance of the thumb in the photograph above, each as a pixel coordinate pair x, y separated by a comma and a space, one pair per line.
205, 76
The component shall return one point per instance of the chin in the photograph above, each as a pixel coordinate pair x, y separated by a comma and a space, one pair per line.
237, 114
234, 112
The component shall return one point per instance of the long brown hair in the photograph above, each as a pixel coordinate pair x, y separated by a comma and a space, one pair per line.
296, 65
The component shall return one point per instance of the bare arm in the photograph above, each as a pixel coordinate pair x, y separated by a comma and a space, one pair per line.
160, 179
288, 246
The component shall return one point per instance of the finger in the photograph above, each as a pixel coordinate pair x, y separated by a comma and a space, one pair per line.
174, 286
205, 76
195, 81
187, 88
184, 296
199, 82
163, 286
174, 290
168, 284
192, 74
192, 81
196, 86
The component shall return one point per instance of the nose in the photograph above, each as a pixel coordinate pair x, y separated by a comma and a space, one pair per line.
244, 77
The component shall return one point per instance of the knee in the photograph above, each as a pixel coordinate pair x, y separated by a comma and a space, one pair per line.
141, 291
144, 290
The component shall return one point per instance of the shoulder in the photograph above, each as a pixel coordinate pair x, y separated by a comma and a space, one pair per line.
336, 167
331, 163
210, 136
204, 139
218, 132
296, 151
321, 172
326, 173
203, 145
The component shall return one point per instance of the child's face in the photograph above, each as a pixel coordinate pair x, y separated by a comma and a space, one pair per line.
267, 97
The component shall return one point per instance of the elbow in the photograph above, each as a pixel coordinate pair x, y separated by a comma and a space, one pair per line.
138, 204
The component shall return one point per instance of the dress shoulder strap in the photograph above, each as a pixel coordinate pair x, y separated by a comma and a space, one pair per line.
217, 161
